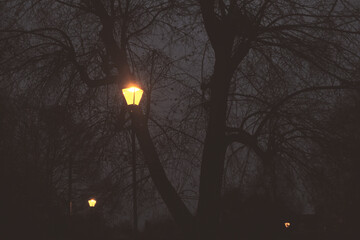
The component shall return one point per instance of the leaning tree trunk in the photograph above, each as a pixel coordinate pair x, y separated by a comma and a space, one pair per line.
181, 214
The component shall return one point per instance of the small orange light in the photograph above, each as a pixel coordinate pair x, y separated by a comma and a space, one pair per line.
92, 202
287, 224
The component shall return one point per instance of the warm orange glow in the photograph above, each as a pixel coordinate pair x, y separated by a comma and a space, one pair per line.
287, 224
92, 202
132, 95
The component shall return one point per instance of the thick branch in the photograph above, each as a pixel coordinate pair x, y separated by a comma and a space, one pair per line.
247, 139
211, 22
118, 54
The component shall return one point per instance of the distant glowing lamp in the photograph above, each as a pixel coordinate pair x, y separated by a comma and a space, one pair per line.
132, 95
287, 224
92, 202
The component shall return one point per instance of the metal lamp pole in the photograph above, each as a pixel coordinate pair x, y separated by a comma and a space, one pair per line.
134, 185
70, 187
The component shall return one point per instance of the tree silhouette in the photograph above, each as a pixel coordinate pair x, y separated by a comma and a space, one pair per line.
252, 79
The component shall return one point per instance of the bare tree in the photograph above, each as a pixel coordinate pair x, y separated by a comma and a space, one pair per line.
275, 33
274, 67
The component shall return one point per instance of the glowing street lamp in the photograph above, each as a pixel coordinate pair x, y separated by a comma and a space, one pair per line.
92, 202
287, 224
132, 95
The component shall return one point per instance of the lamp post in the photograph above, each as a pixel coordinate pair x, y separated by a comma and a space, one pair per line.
133, 96
70, 187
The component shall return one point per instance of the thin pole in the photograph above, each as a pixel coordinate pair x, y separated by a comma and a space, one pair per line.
135, 219
70, 187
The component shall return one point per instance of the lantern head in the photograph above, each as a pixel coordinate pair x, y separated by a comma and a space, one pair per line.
92, 202
132, 95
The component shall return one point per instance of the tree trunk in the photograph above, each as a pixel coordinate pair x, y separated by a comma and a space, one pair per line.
214, 155
269, 178
171, 198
